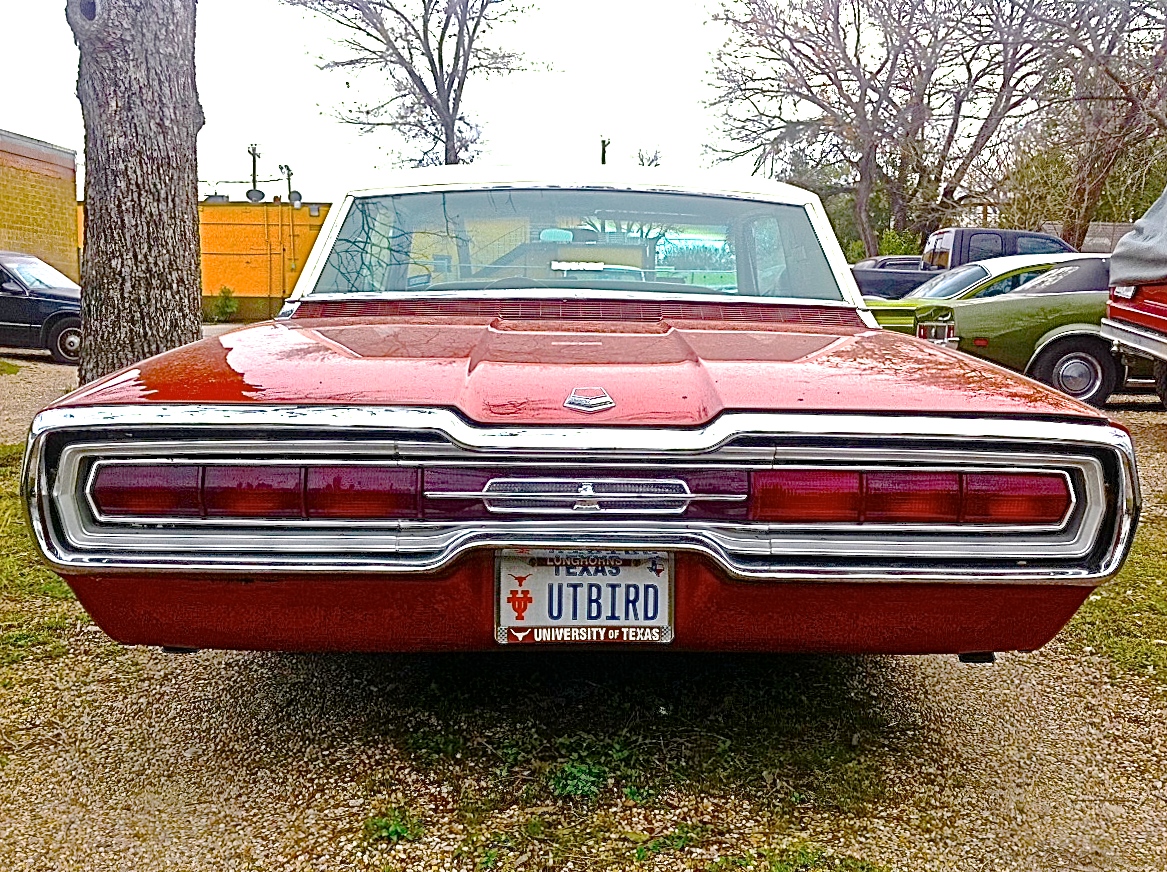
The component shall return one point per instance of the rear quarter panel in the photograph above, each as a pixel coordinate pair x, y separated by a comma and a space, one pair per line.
1015, 326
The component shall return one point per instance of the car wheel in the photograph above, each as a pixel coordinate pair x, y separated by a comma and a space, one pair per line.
1083, 368
1161, 381
65, 341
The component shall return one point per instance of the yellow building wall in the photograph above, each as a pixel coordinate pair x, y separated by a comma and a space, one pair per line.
255, 249
38, 201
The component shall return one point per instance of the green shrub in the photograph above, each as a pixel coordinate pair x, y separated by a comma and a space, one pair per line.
899, 242
224, 308
855, 251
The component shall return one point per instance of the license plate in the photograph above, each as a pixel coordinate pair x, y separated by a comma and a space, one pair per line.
573, 596
1124, 291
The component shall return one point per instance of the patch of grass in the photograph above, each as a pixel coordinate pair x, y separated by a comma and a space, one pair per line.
682, 837
36, 611
578, 779
1126, 619
24, 635
396, 824
565, 727
7, 368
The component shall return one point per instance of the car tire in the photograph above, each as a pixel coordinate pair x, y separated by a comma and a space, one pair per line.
1082, 367
1161, 381
65, 341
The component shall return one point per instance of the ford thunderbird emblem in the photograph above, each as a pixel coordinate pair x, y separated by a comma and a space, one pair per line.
586, 503
589, 400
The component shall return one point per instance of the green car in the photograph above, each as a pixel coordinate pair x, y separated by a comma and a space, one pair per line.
973, 281
1049, 329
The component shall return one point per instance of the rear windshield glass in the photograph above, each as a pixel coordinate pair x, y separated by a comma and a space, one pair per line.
950, 284
604, 240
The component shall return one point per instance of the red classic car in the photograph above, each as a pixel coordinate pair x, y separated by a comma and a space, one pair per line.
1136, 313
529, 412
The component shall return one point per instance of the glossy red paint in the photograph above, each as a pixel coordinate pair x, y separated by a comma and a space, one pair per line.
454, 610
671, 373
1147, 308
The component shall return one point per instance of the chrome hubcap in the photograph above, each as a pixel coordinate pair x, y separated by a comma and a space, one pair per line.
69, 342
1077, 375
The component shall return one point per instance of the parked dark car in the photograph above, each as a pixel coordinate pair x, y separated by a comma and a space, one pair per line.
40, 307
894, 276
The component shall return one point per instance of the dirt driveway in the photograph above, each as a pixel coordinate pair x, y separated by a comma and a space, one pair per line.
115, 759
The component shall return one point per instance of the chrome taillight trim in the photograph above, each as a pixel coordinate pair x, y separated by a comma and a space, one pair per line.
74, 544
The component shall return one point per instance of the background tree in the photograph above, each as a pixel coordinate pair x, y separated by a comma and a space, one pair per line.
908, 97
1113, 54
812, 77
140, 272
429, 50
647, 158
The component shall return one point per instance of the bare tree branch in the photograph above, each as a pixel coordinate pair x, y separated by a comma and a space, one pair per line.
428, 50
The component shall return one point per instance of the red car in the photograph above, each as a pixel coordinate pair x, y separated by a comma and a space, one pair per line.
1136, 313
543, 413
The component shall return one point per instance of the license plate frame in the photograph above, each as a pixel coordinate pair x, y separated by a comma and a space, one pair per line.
551, 577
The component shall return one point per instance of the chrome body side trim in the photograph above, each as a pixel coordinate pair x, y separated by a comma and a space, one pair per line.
75, 539
1135, 340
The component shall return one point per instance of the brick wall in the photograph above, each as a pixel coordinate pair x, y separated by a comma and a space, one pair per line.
38, 201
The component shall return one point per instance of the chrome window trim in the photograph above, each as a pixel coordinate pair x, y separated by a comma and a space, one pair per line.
420, 547
585, 293
460, 179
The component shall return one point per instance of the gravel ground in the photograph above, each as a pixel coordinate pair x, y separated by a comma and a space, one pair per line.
115, 759
22, 394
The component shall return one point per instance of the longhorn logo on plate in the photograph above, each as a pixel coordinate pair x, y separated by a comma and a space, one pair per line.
589, 400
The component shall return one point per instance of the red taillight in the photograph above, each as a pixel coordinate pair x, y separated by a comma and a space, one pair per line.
257, 491
361, 492
141, 490
936, 331
808, 496
1015, 498
795, 495
253, 492
911, 497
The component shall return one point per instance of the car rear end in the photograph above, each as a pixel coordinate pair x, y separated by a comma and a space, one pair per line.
411, 529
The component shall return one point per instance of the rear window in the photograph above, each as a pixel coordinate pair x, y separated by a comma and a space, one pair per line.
951, 283
982, 246
1039, 245
938, 250
520, 239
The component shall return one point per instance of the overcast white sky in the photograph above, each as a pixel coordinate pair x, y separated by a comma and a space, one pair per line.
635, 71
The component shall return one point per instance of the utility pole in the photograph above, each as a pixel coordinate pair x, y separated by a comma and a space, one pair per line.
287, 171
253, 150
604, 143
255, 195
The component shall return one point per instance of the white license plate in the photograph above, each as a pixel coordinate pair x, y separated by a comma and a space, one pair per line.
575, 596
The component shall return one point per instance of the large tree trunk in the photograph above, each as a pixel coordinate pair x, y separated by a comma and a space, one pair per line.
864, 188
140, 275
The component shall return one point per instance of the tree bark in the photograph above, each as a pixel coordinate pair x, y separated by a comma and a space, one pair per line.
140, 270
864, 188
